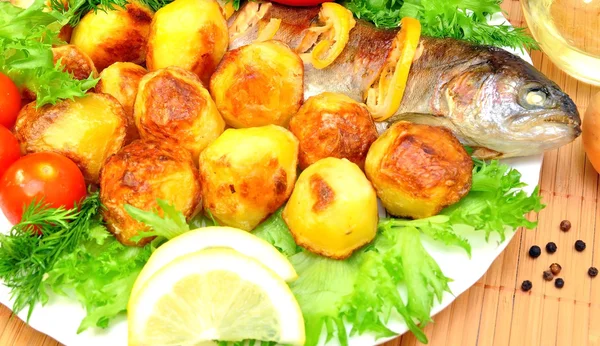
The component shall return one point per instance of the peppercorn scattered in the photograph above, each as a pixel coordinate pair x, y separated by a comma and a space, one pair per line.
526, 285
548, 276
555, 268
551, 247
535, 251
559, 283
579, 245
593, 271
565, 225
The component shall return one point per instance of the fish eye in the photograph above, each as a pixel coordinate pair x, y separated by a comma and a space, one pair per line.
536, 97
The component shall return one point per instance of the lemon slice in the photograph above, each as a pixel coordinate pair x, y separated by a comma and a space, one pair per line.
203, 238
214, 294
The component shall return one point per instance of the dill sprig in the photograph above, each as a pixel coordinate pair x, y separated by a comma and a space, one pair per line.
80, 8
35, 244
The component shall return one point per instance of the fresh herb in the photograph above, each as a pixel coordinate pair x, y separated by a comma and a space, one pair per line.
80, 8
460, 19
168, 226
34, 246
100, 273
26, 39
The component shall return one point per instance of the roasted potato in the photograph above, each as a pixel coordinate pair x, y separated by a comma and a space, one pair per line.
333, 209
172, 105
333, 125
259, 84
140, 173
191, 34
121, 80
87, 130
247, 174
114, 35
75, 61
418, 169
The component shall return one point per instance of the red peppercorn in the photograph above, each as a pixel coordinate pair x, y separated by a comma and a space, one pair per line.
565, 225
548, 276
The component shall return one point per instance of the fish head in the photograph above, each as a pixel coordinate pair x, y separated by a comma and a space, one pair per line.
504, 103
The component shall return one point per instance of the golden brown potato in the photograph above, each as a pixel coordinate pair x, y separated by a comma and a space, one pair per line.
74, 61
418, 169
333, 209
259, 84
140, 173
111, 36
191, 34
121, 80
333, 125
247, 174
172, 105
87, 130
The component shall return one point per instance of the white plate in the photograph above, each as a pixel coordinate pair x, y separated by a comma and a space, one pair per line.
61, 316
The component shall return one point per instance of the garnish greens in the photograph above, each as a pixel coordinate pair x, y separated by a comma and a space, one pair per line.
26, 39
34, 245
80, 8
460, 19
364, 289
71, 252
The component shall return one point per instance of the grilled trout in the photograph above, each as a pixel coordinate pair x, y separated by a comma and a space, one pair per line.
490, 98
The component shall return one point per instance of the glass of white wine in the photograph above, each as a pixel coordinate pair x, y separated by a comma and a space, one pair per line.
568, 31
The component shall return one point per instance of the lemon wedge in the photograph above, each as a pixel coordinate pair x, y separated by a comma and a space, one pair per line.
203, 238
214, 294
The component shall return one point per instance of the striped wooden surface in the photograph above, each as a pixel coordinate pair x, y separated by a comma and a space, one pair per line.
495, 311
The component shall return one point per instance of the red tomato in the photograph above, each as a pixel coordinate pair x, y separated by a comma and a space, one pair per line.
10, 102
50, 176
301, 2
9, 149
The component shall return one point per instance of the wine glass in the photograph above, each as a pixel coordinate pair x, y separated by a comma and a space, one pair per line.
568, 31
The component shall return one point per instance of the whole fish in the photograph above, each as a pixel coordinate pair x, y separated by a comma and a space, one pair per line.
491, 99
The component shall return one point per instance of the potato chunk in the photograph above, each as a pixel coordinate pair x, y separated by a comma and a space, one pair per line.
142, 172
259, 84
87, 130
247, 174
172, 105
333, 125
121, 80
111, 36
418, 169
191, 34
74, 61
333, 209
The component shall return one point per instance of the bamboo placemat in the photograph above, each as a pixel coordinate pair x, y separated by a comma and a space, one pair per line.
495, 311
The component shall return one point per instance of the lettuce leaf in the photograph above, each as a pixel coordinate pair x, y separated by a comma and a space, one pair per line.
26, 39
275, 231
460, 19
100, 273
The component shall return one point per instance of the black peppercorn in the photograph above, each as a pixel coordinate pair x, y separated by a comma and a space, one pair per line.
593, 271
559, 283
565, 225
535, 251
548, 276
526, 285
555, 268
551, 247
579, 245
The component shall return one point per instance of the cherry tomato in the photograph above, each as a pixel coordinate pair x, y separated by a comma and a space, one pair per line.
9, 149
301, 2
50, 176
10, 102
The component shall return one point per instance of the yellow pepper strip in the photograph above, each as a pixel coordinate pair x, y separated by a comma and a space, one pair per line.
384, 99
228, 9
338, 22
269, 31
